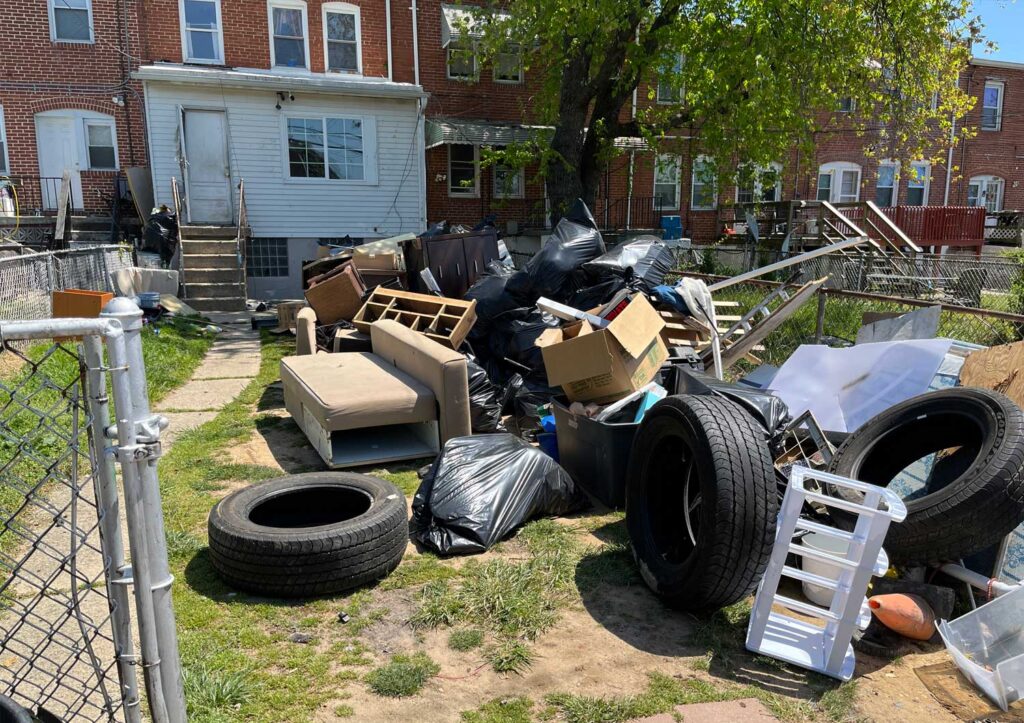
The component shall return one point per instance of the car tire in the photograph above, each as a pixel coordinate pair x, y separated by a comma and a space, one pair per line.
307, 535
977, 490
701, 501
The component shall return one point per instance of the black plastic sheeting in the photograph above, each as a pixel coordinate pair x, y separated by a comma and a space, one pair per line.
767, 409
481, 488
642, 263
556, 271
485, 401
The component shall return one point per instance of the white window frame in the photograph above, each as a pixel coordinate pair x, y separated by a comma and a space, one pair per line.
889, 163
518, 53
498, 189
758, 187
835, 170
290, 5
924, 176
465, 192
666, 160
218, 45
5, 157
342, 8
676, 93
369, 125
1001, 86
106, 123
693, 186
852, 105
984, 183
453, 47
50, 5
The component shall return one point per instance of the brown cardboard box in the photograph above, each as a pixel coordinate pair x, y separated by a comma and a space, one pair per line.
286, 313
606, 364
78, 304
338, 297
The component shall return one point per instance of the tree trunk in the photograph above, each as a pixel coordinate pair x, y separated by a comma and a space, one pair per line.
563, 181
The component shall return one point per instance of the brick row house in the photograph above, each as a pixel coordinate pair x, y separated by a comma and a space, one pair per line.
369, 118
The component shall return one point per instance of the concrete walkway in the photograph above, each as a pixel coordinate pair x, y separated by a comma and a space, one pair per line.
232, 362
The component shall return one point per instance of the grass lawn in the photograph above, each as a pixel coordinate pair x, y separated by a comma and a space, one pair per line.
488, 638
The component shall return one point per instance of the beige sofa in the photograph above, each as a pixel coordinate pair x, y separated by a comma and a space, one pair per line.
403, 401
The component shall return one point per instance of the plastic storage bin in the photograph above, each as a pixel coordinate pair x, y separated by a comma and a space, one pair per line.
595, 454
987, 645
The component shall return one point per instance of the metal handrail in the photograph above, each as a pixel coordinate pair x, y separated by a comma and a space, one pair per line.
243, 223
176, 195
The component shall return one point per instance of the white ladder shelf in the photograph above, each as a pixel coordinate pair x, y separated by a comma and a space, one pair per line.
826, 649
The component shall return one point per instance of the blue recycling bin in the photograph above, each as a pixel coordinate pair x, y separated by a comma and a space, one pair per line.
672, 226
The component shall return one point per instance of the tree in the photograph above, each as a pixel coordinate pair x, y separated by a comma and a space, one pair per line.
756, 77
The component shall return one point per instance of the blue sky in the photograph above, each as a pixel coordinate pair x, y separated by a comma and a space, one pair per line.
1004, 24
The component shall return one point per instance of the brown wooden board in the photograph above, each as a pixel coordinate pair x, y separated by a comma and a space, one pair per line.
444, 320
1000, 368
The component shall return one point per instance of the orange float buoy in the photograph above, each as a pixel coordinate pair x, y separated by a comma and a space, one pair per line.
909, 615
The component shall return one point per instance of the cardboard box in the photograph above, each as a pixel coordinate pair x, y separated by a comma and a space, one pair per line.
338, 297
78, 304
602, 365
286, 313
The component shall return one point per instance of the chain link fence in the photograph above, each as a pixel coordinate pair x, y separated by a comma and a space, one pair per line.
66, 608
27, 281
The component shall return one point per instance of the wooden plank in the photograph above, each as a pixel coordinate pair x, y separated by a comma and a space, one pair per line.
63, 205
1000, 368
734, 352
140, 185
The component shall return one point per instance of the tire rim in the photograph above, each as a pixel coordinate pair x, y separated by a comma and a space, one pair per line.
692, 499
670, 462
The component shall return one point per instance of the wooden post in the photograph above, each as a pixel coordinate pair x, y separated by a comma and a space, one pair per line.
63, 226
819, 326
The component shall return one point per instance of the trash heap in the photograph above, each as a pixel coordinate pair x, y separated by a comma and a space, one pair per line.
588, 377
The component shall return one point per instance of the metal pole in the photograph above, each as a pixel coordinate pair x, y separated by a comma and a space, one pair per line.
127, 449
819, 326
148, 426
107, 504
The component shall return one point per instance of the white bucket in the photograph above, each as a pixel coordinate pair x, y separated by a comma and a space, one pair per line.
822, 543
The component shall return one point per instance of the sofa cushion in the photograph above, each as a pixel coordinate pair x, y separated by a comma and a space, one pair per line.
352, 391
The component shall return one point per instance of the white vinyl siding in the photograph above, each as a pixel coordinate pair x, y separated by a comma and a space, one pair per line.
343, 46
202, 34
387, 203
70, 21
992, 106
289, 34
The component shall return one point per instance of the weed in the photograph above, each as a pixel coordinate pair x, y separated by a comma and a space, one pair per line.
418, 571
723, 632
209, 691
500, 710
465, 639
405, 675
509, 656
181, 544
837, 703
344, 711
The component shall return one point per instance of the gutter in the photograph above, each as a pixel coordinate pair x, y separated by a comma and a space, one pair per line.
264, 80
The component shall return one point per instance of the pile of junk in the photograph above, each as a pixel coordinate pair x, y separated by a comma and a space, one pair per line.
869, 496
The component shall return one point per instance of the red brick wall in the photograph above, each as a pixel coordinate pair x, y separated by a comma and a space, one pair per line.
37, 75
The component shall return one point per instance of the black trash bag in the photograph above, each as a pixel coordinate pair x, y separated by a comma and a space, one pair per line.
556, 271
484, 401
523, 396
767, 409
482, 488
596, 295
161, 234
513, 336
491, 300
643, 263
440, 228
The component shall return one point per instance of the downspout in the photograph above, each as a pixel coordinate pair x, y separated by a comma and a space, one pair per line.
387, 21
949, 163
415, 45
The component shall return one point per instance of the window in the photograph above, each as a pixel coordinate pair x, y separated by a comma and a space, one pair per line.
461, 62
669, 88
71, 21
5, 167
266, 257
202, 41
666, 182
761, 185
886, 188
918, 184
327, 148
992, 106
986, 191
288, 47
703, 190
508, 182
508, 65
847, 105
342, 38
463, 167
99, 140
839, 182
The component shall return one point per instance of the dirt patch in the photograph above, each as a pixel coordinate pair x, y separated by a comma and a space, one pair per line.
279, 444
10, 364
891, 691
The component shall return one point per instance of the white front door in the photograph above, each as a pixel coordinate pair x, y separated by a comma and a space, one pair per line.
208, 176
57, 146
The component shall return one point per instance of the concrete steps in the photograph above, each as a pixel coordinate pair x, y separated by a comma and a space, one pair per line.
213, 280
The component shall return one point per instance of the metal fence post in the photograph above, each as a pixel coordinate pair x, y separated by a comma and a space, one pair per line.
819, 326
107, 504
146, 427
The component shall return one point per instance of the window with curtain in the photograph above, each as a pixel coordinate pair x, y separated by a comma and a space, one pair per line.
288, 27
666, 182
341, 23
703, 188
